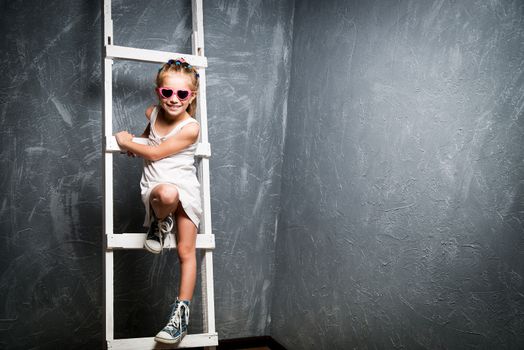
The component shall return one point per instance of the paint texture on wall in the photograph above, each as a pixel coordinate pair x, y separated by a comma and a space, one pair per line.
50, 275
248, 45
402, 196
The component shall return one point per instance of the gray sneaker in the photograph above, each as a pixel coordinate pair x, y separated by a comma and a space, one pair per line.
153, 241
176, 327
166, 225
156, 234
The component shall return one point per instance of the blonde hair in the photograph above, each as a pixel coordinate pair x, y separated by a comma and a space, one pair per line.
179, 65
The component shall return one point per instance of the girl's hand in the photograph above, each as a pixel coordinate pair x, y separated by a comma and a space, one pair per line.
122, 138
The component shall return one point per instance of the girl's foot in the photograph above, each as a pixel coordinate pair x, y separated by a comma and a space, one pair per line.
176, 327
166, 225
156, 234
153, 242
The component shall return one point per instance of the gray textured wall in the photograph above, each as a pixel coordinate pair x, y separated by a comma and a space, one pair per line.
51, 209
50, 272
248, 46
403, 198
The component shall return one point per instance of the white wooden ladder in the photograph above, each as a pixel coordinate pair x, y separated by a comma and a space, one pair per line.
205, 238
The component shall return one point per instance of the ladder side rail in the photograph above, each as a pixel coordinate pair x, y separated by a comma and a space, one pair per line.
107, 126
108, 122
207, 261
208, 292
109, 294
108, 175
198, 27
108, 24
108, 157
198, 49
204, 163
108, 200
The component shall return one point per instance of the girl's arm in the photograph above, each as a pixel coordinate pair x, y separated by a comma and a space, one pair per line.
186, 137
147, 130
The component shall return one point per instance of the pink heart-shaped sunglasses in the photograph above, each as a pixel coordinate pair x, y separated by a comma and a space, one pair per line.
166, 92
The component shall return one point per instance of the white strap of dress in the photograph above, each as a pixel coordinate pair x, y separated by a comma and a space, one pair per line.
154, 114
181, 125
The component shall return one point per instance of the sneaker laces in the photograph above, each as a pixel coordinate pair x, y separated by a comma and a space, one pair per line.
176, 320
164, 228
154, 230
165, 225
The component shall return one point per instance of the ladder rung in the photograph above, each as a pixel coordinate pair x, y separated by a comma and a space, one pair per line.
136, 241
203, 149
189, 341
112, 145
154, 56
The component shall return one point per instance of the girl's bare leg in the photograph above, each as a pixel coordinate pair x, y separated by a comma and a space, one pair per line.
176, 327
164, 200
186, 248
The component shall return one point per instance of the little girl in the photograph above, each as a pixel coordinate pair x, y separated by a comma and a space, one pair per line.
170, 189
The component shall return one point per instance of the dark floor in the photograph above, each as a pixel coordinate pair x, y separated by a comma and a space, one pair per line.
252, 343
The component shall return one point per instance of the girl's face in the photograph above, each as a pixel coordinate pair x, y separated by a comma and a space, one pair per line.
175, 105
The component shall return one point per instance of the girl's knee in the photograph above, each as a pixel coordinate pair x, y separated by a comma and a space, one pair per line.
167, 195
186, 252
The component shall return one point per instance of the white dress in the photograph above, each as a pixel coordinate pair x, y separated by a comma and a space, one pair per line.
177, 169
